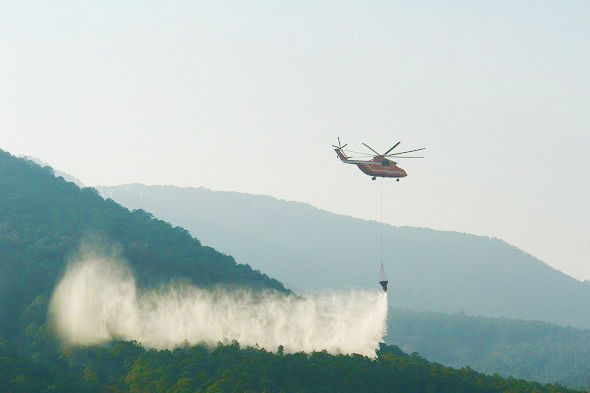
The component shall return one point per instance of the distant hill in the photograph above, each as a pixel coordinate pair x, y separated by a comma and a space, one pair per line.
44, 219
308, 249
531, 350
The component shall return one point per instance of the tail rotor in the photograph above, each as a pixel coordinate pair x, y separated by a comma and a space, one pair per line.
340, 146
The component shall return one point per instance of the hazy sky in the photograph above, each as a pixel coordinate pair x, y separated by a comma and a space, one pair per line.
250, 98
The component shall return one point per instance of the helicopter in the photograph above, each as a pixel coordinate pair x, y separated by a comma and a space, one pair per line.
379, 165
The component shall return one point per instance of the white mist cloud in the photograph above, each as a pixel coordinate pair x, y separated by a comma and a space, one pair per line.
97, 300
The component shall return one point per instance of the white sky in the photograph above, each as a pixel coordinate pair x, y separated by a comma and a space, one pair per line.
250, 98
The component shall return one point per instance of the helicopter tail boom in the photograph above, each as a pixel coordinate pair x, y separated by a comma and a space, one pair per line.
341, 154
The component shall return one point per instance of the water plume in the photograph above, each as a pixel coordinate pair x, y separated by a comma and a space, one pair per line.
97, 300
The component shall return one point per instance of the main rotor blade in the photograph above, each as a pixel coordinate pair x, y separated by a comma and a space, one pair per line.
407, 157
394, 146
371, 149
409, 151
358, 152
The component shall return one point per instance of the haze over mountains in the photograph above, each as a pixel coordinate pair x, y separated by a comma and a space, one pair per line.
310, 249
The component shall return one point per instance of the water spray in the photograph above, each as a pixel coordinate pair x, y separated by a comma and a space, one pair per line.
97, 300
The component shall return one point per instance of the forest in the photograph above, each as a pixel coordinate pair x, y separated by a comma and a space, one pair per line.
127, 367
44, 219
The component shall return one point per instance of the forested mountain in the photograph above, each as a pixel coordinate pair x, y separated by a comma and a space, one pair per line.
308, 248
43, 220
531, 350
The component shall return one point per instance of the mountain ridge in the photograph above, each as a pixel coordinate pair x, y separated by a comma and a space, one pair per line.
312, 249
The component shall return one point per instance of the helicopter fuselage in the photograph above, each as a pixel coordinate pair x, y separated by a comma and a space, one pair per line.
379, 166
381, 169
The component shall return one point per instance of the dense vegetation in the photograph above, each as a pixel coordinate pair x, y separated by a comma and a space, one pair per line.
126, 366
43, 219
532, 350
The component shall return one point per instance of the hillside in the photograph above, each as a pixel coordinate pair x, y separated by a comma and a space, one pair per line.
308, 249
531, 350
44, 220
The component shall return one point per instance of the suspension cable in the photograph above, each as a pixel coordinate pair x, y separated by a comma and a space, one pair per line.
381, 221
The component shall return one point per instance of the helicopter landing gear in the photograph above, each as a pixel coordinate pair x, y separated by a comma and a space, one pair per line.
374, 177
396, 179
